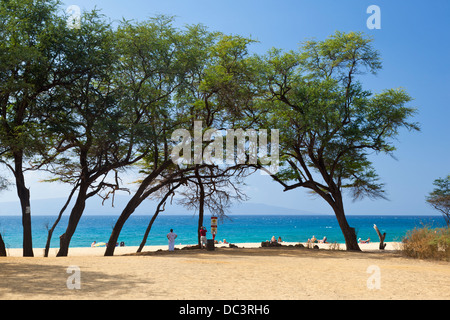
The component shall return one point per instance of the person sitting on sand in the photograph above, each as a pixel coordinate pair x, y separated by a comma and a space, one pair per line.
225, 241
364, 241
93, 244
279, 240
273, 240
324, 240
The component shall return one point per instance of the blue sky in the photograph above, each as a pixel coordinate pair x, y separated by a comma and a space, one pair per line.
415, 48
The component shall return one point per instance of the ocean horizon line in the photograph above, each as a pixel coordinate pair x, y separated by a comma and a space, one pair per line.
239, 214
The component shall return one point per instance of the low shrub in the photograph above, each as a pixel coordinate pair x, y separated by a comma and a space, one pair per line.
427, 243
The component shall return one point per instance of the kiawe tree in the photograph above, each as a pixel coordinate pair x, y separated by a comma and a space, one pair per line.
439, 198
29, 68
329, 124
208, 80
100, 130
153, 66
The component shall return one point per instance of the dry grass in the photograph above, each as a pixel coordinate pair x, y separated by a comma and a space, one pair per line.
427, 243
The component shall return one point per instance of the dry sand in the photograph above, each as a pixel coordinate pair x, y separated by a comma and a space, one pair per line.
226, 273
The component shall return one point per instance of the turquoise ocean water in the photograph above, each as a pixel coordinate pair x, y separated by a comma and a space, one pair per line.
236, 229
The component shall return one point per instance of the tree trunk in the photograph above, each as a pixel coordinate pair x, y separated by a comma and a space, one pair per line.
50, 231
49, 238
200, 224
75, 215
147, 231
2, 247
201, 205
155, 215
351, 242
24, 196
140, 195
126, 213
349, 233
381, 236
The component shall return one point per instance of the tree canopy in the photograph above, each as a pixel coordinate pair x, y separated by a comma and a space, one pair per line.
439, 198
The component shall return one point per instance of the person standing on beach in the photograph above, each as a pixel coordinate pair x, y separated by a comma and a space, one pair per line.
202, 237
171, 236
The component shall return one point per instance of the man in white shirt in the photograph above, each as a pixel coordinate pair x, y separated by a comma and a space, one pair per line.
171, 236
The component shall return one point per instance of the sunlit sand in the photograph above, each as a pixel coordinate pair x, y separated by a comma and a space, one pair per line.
226, 273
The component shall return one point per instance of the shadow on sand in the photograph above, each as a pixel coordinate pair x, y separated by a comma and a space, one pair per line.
40, 281
289, 251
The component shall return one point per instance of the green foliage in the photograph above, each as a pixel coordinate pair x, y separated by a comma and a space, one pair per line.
439, 198
328, 123
3, 183
26, 54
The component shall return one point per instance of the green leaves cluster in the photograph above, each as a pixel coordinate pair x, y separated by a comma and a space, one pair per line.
439, 198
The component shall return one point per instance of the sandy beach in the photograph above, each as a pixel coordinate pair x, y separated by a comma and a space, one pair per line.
225, 273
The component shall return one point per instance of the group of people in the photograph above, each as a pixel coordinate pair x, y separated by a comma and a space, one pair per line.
314, 240
324, 240
273, 240
171, 236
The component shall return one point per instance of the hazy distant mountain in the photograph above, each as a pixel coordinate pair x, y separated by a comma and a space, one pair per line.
94, 207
